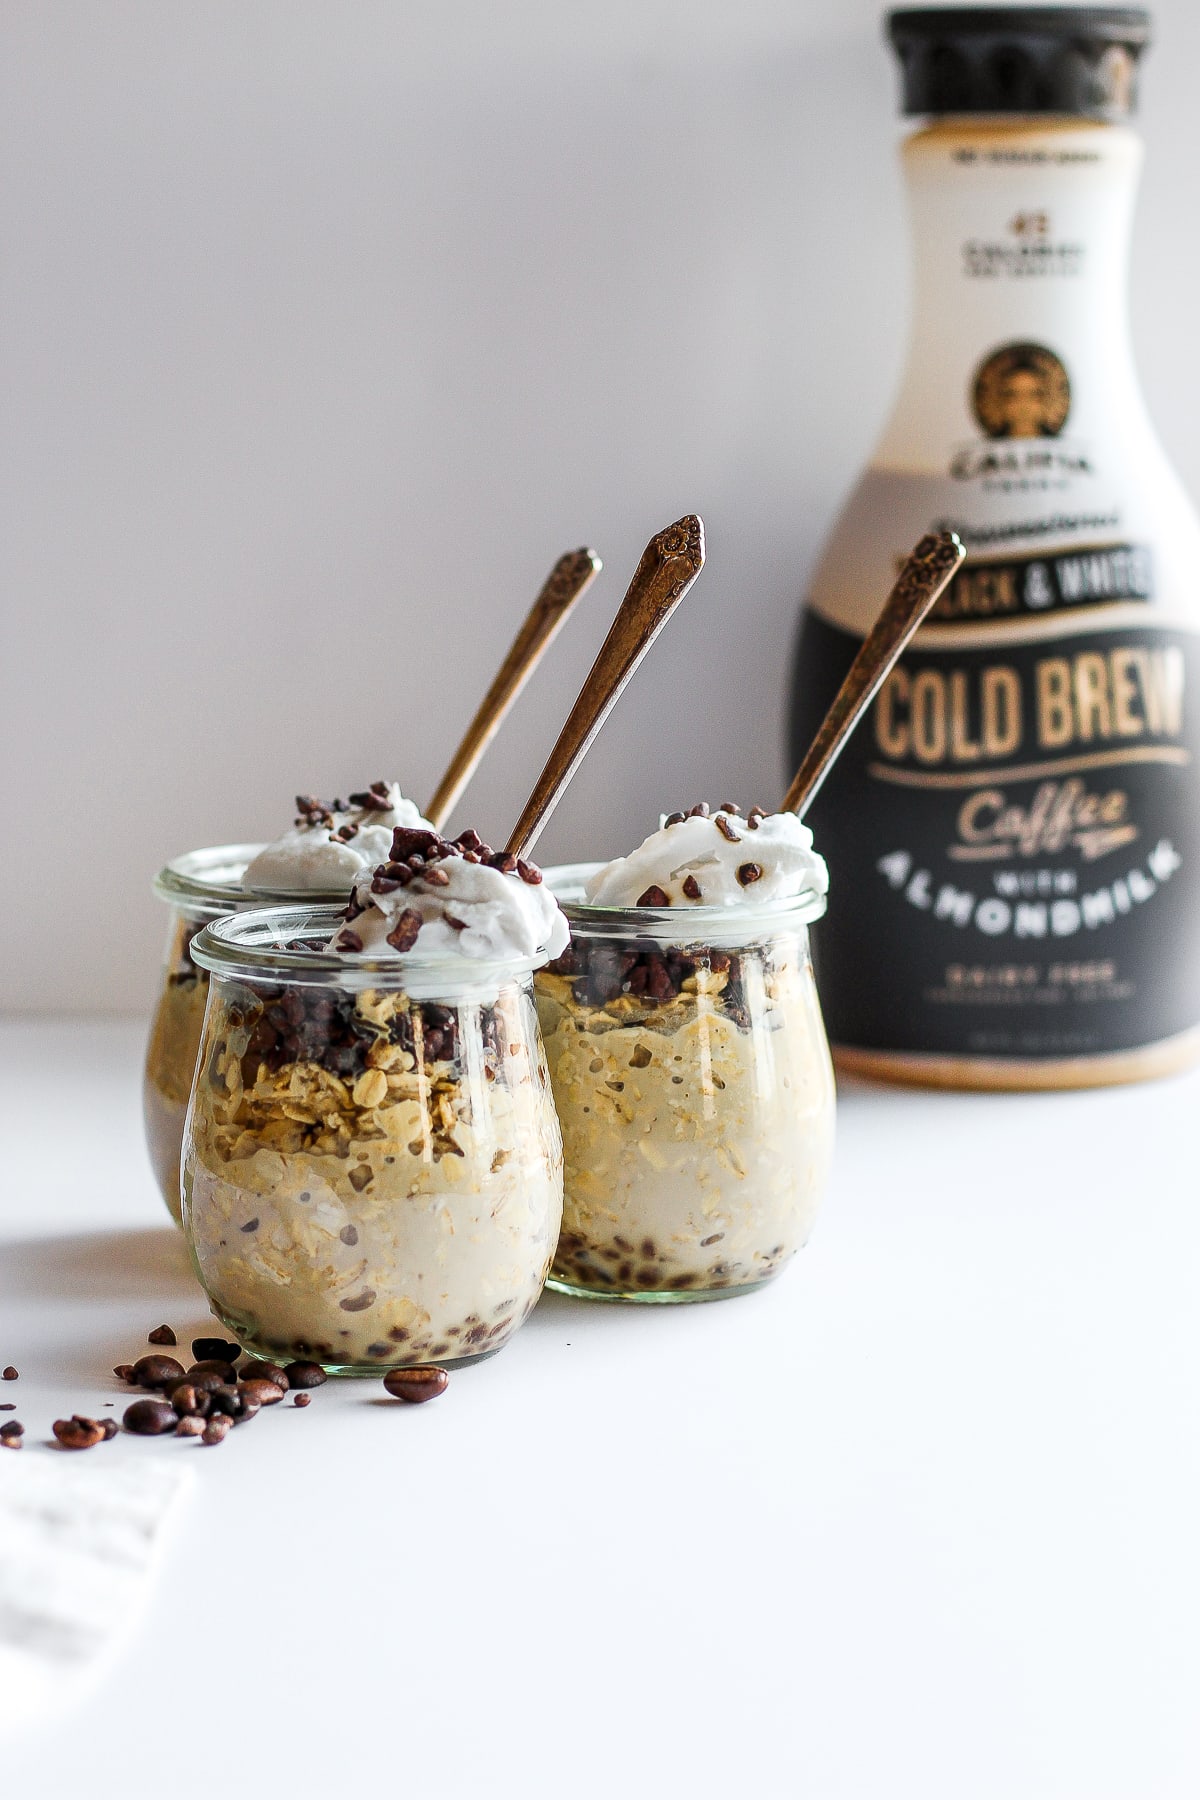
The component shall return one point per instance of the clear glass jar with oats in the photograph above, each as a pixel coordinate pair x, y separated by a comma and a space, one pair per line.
372, 1172
199, 887
695, 1092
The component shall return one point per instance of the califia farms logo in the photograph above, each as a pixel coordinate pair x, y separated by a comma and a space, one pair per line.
1021, 391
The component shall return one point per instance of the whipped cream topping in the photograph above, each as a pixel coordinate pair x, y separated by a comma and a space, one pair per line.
330, 845
452, 897
717, 859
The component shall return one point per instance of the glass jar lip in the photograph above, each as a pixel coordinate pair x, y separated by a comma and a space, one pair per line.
208, 883
249, 945
674, 924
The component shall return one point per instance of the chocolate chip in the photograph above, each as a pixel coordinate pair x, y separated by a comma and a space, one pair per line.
727, 806
305, 1374
406, 930
726, 830
265, 1371
349, 940
675, 818
360, 1302
162, 1334
10, 1374
150, 1418
217, 1350
216, 1429
415, 1385
654, 896
156, 1371
436, 877
700, 811
749, 872
302, 1400
691, 888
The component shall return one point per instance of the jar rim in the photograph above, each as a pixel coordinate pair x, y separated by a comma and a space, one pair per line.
208, 882
250, 945
674, 924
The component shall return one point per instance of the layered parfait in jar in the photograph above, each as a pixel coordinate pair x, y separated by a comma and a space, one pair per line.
372, 1175
689, 1061
329, 845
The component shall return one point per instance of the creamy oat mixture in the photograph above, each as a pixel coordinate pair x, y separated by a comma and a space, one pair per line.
372, 1179
693, 1081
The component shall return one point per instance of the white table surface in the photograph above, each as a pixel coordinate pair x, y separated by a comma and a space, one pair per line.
919, 1520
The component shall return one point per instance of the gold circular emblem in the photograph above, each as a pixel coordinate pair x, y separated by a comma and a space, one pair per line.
1021, 391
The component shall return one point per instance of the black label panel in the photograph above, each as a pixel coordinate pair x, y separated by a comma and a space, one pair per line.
1013, 838
1098, 575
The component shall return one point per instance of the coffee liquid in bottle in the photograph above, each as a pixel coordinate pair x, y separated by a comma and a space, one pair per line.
1014, 833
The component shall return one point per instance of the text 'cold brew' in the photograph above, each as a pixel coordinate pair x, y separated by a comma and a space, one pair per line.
1014, 833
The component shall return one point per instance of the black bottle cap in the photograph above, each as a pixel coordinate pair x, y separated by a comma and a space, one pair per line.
1077, 60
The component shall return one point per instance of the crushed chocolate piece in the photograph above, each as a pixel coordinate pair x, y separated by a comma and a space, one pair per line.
654, 896
436, 877
348, 940
529, 872
727, 806
699, 811
749, 872
406, 930
726, 830
691, 888
162, 1334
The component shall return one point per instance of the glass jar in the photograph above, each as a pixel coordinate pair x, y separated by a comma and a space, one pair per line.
199, 887
372, 1169
695, 1093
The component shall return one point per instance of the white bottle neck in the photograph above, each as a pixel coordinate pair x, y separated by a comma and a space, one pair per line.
1020, 233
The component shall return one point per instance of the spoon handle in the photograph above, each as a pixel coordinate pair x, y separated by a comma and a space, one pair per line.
670, 563
571, 575
921, 580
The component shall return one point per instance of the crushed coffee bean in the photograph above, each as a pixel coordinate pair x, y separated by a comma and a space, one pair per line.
149, 1418
654, 896
156, 1371
305, 1374
416, 1385
216, 1350
749, 872
162, 1334
691, 888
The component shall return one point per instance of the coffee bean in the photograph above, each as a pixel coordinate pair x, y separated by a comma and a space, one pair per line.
191, 1426
8, 1406
11, 1429
10, 1374
415, 1385
265, 1393
189, 1400
204, 1380
162, 1334
302, 1400
233, 1403
108, 1427
124, 1371
216, 1428
215, 1350
156, 1371
149, 1418
305, 1375
265, 1371
224, 1371
78, 1433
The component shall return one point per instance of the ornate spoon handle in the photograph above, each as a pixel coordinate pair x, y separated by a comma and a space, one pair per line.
670, 563
921, 580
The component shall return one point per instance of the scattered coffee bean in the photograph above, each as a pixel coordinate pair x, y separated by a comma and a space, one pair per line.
305, 1375
302, 1400
156, 1371
10, 1374
216, 1428
415, 1385
748, 872
190, 1401
237, 1402
191, 1426
8, 1406
654, 896
162, 1334
216, 1350
78, 1433
223, 1371
149, 1418
264, 1393
11, 1429
205, 1380
108, 1427
124, 1371
265, 1371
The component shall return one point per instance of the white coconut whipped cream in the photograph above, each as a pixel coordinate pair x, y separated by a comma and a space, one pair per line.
457, 897
717, 859
330, 845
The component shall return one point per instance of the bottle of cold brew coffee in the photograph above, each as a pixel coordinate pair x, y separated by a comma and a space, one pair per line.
1014, 834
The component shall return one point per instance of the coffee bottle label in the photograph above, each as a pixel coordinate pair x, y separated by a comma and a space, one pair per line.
1013, 833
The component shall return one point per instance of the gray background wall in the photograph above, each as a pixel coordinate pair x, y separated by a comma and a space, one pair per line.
325, 327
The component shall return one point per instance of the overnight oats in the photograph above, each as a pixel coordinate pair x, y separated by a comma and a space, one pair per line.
328, 847
689, 1062
373, 1167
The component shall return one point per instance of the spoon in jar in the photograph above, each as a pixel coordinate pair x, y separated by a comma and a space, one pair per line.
670, 564
570, 577
923, 578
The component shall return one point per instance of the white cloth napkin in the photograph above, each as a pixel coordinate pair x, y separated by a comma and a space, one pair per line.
77, 1546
